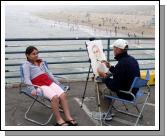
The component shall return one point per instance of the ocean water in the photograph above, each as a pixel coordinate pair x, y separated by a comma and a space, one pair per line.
20, 23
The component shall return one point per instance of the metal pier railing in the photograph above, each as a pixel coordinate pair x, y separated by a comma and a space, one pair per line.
68, 56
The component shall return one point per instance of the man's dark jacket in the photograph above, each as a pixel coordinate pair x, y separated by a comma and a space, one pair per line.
123, 73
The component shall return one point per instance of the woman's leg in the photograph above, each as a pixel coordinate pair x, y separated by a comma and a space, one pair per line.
63, 101
68, 116
55, 108
49, 93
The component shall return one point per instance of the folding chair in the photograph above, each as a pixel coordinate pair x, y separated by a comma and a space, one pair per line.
26, 89
137, 83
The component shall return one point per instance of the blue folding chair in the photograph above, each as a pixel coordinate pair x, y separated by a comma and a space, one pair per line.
137, 83
26, 89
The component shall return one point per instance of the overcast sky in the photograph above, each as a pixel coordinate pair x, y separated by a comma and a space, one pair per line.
122, 9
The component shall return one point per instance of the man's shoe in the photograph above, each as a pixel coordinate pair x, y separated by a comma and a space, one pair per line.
102, 115
108, 116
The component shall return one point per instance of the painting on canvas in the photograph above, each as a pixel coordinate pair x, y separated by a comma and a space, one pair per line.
96, 55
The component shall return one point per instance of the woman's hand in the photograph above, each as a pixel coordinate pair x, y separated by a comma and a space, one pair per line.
34, 92
37, 91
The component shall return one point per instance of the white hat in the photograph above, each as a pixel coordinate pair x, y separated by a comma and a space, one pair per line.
120, 43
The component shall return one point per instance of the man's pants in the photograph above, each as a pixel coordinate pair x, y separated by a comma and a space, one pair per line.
102, 90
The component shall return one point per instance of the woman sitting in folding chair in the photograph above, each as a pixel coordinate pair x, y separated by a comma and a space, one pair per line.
35, 74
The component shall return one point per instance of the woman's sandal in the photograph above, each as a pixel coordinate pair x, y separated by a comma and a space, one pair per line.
62, 124
72, 122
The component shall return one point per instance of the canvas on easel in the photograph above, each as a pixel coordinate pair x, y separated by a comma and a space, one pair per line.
96, 55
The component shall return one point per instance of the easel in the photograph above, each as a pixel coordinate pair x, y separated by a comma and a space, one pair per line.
97, 89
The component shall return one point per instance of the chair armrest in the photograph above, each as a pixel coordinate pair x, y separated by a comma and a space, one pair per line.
27, 90
61, 83
24, 85
128, 92
62, 78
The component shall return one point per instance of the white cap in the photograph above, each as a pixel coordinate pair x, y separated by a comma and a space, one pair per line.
120, 43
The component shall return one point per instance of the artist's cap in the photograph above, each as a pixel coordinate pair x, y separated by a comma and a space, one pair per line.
120, 43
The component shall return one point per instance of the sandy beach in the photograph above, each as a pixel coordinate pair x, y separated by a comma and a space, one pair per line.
112, 23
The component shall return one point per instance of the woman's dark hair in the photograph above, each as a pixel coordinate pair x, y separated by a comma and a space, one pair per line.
30, 49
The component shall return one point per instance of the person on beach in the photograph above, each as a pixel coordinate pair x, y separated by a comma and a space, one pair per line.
36, 73
124, 71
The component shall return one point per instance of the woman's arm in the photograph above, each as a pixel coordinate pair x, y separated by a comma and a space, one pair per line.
26, 75
50, 73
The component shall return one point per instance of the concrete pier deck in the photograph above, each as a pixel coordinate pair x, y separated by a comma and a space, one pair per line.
16, 105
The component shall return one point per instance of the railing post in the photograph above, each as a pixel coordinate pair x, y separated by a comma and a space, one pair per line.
108, 50
138, 41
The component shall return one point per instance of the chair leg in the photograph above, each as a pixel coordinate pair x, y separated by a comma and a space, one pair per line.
99, 106
125, 107
141, 116
125, 112
142, 109
32, 120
